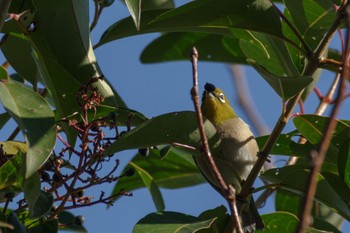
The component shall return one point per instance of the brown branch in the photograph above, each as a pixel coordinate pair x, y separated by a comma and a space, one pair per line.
312, 65
227, 191
317, 157
245, 100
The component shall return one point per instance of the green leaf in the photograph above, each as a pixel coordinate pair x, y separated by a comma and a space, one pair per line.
224, 17
134, 7
14, 221
344, 162
285, 87
18, 51
152, 187
47, 227
11, 175
294, 178
31, 189
282, 145
42, 205
222, 219
35, 119
66, 219
177, 127
171, 222
3, 73
269, 52
322, 215
312, 18
4, 117
175, 46
280, 222
169, 168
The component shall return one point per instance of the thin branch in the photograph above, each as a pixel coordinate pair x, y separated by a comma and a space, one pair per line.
312, 65
229, 192
245, 101
317, 157
307, 49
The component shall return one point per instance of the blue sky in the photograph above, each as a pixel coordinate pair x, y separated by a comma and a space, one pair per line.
154, 89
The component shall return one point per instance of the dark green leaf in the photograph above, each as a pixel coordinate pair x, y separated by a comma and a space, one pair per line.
35, 119
285, 87
31, 189
47, 227
153, 188
66, 218
171, 222
224, 17
222, 219
42, 205
18, 51
312, 18
157, 4
176, 46
344, 162
282, 145
178, 127
269, 52
294, 178
4, 117
18, 225
3, 73
170, 168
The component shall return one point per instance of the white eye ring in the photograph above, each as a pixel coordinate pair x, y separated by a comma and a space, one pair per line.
222, 98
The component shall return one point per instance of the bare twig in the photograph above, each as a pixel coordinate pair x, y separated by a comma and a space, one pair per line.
228, 191
312, 65
245, 101
317, 157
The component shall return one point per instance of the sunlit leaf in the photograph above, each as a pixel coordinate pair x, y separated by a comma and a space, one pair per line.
223, 17
294, 179
35, 119
177, 127
171, 222
134, 7
285, 87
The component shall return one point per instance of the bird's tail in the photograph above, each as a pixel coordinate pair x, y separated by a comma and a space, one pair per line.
251, 219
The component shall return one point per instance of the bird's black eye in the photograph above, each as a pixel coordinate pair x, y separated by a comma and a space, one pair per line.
222, 97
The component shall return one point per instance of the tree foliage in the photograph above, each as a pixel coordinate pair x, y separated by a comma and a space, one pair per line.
58, 95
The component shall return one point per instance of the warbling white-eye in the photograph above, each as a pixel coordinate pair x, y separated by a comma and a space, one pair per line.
238, 150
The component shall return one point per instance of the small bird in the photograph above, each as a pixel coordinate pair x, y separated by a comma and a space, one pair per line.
238, 150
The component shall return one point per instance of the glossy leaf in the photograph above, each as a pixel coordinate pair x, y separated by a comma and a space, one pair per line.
169, 168
221, 216
35, 119
284, 222
149, 182
177, 127
294, 178
223, 17
281, 146
323, 215
285, 87
312, 18
269, 52
157, 4
175, 46
312, 126
171, 222
42, 205
134, 7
